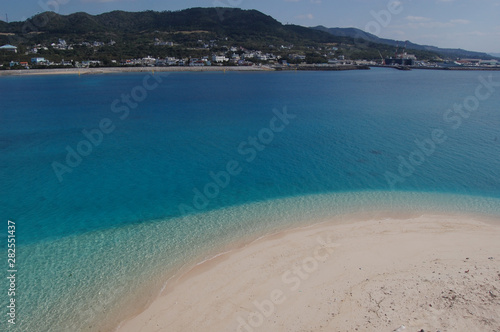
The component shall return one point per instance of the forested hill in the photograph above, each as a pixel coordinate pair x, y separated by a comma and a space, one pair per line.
134, 34
236, 24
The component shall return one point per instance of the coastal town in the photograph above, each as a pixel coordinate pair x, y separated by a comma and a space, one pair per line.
276, 57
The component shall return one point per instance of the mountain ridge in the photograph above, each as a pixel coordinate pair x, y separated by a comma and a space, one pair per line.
133, 34
358, 33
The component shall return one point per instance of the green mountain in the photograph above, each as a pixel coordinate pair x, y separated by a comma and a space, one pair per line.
238, 25
134, 34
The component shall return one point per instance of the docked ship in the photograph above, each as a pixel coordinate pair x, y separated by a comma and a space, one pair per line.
402, 59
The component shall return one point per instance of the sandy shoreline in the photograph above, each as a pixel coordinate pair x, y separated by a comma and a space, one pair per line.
110, 70
432, 272
118, 70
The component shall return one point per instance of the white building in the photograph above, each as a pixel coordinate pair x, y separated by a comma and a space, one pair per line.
9, 48
489, 63
219, 58
38, 61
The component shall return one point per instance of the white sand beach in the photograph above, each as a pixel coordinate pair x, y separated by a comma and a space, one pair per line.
430, 272
117, 70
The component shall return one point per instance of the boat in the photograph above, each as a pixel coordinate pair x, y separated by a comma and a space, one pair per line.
401, 67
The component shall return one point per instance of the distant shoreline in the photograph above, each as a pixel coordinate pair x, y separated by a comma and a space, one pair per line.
119, 70
461, 68
443, 68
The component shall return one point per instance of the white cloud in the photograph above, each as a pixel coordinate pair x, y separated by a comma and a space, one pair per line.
398, 32
104, 1
429, 36
417, 19
416, 22
460, 21
431, 25
311, 1
306, 16
476, 33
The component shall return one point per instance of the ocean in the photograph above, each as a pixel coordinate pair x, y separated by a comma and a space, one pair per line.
116, 182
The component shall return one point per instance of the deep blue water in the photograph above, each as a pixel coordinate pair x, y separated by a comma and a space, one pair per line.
349, 130
344, 133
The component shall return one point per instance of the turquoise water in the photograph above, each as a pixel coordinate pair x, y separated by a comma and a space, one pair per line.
151, 196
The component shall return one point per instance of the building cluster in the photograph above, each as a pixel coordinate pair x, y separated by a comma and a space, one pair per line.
231, 55
220, 54
64, 46
235, 56
477, 63
38, 61
214, 60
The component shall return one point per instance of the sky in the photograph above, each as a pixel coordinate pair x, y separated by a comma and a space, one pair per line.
469, 24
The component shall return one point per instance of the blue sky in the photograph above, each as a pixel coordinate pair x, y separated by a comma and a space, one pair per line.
468, 24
